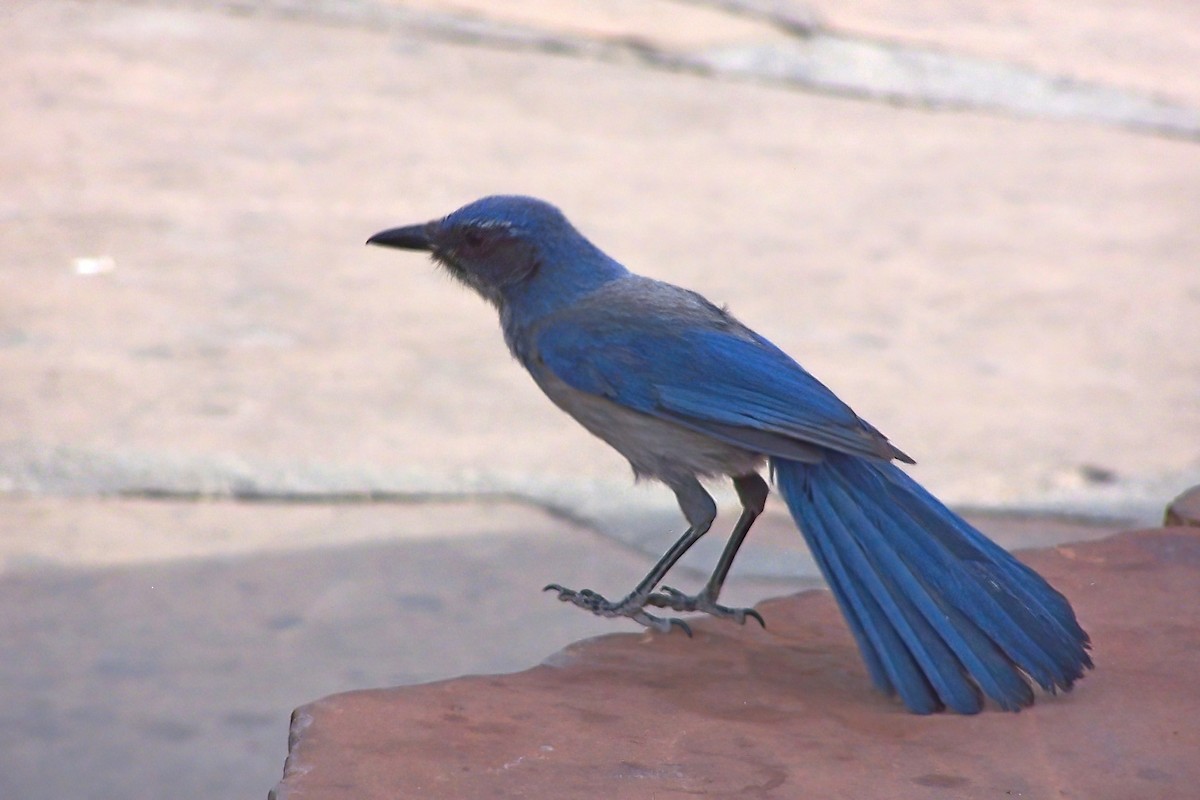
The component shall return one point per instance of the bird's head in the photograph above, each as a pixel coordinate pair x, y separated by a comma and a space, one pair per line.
495, 243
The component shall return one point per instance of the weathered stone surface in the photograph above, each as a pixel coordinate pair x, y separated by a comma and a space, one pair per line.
163, 644
937, 270
1185, 509
787, 712
1157, 50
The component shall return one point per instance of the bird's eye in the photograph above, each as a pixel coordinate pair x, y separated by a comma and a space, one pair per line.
473, 239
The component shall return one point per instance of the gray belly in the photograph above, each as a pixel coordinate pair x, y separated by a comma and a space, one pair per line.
654, 448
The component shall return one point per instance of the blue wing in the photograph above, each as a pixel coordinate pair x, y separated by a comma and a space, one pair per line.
714, 376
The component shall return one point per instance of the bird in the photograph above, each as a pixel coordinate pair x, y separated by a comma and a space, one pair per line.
943, 617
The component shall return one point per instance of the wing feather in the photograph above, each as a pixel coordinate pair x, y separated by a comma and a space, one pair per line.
720, 379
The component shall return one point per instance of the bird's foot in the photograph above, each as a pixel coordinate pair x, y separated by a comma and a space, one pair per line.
632, 607
678, 601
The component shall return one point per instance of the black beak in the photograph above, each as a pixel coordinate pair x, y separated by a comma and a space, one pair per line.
410, 237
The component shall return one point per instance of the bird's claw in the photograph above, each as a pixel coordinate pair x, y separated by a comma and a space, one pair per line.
630, 607
676, 600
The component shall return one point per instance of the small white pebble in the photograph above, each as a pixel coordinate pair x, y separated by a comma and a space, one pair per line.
94, 265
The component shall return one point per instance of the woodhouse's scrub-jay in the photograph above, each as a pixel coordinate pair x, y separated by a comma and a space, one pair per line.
942, 615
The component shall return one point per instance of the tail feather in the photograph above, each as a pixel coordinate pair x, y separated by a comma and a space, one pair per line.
962, 580
1050, 605
892, 665
966, 649
939, 611
938, 667
1013, 604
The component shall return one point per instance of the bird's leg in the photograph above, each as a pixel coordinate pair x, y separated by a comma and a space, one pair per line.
632, 605
700, 511
752, 491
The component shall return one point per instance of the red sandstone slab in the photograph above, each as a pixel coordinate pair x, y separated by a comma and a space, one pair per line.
787, 712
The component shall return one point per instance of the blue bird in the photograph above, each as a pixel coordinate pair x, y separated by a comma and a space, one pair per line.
942, 615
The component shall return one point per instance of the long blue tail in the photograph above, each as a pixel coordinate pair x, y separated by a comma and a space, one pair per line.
942, 614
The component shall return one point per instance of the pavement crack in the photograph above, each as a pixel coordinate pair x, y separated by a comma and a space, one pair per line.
811, 58
793, 18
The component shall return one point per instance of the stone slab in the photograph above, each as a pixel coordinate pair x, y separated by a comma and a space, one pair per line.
154, 648
786, 712
1185, 509
161, 644
187, 190
1155, 48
